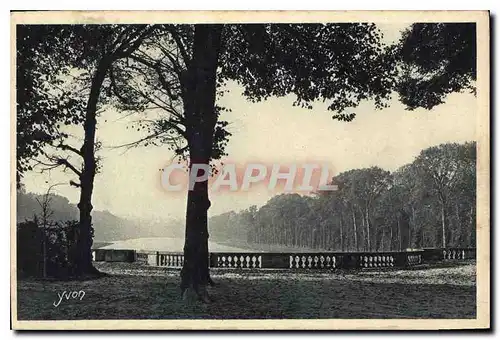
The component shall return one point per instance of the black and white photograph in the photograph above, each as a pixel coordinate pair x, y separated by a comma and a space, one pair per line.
252, 170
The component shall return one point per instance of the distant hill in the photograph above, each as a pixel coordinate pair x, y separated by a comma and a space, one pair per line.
107, 227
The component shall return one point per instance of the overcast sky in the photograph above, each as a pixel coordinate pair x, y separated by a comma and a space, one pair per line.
270, 131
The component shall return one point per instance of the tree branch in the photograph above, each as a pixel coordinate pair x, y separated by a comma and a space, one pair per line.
66, 147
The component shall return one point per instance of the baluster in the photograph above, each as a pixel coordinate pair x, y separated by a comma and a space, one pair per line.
315, 261
322, 261
309, 261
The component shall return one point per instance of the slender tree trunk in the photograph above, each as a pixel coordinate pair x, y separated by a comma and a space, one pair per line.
200, 87
341, 232
363, 229
84, 256
400, 235
410, 228
472, 226
443, 225
367, 224
458, 229
355, 230
391, 243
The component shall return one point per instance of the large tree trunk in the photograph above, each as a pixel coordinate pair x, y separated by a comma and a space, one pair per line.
199, 101
84, 243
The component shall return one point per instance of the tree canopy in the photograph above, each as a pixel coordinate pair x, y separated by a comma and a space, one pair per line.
437, 59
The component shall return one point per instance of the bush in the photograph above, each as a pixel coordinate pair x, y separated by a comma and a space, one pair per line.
47, 251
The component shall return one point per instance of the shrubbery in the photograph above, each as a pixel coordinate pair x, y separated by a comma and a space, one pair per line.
47, 250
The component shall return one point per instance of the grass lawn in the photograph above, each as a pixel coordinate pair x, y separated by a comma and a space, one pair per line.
134, 292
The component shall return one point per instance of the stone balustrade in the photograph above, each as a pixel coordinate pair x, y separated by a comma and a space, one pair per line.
293, 261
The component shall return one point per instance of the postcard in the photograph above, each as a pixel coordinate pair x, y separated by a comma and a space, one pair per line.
250, 170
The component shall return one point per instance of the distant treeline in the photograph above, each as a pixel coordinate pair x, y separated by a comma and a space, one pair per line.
428, 203
107, 226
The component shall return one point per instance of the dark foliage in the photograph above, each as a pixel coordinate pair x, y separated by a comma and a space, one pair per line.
437, 59
46, 251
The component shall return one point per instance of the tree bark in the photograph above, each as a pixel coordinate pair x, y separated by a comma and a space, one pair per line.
199, 103
84, 243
